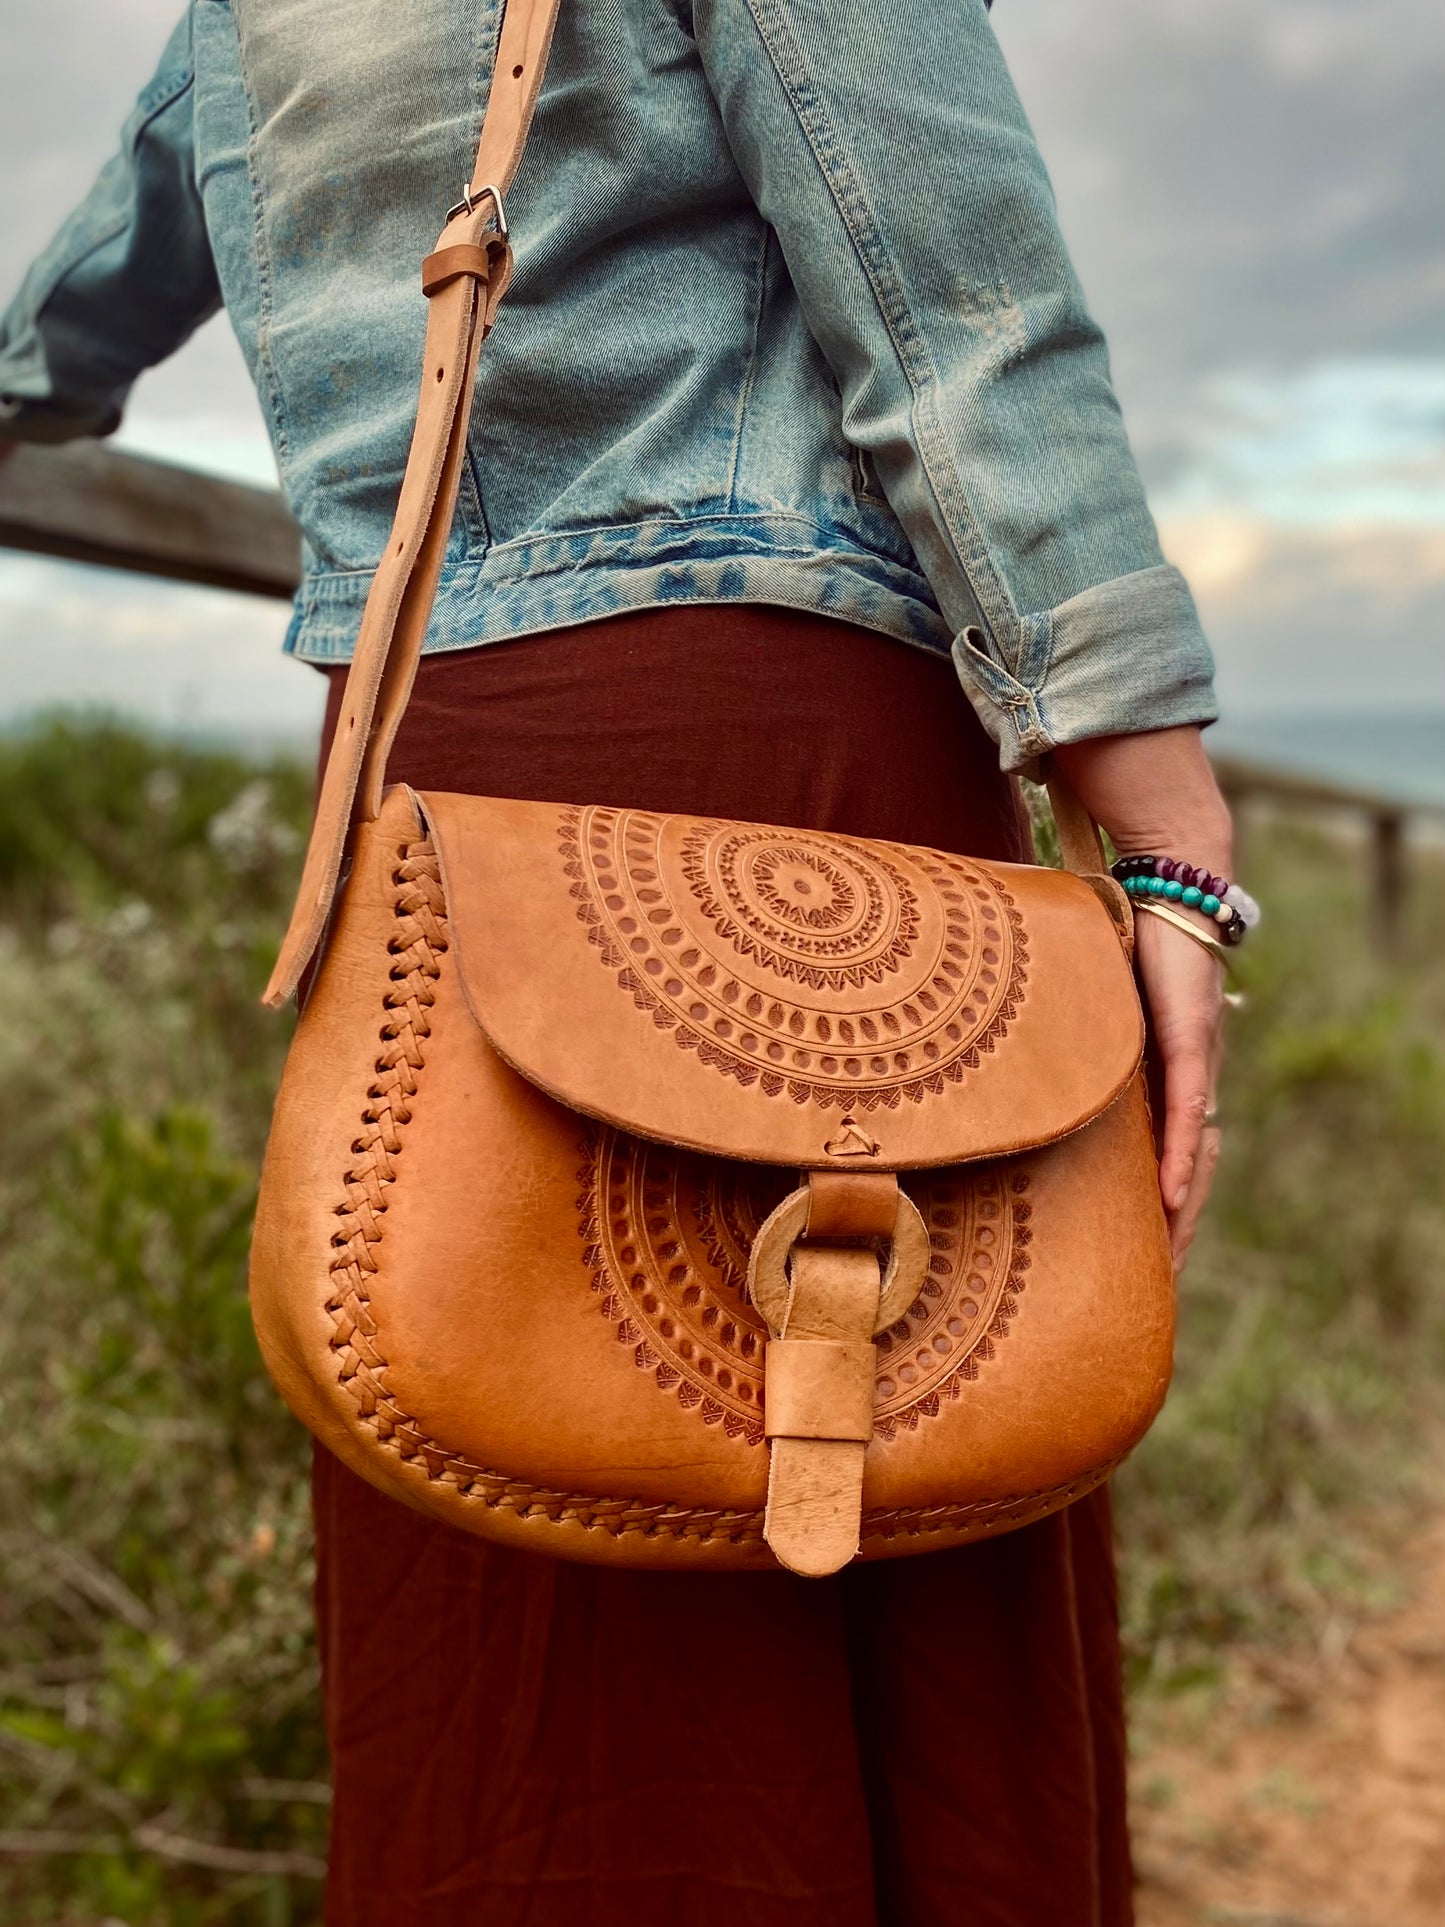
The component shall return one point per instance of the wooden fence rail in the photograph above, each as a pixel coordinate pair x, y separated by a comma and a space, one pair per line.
89, 503
1386, 820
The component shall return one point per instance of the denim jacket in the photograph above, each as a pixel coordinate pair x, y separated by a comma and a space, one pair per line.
792, 323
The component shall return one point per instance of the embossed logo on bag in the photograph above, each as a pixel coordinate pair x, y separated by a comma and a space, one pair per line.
845, 973
850, 1142
667, 1239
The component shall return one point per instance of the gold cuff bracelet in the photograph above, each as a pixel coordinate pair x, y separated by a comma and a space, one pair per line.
1201, 937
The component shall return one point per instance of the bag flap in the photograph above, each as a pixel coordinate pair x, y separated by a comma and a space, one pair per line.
781, 995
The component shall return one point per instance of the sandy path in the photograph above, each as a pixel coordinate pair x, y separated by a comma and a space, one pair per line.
1316, 1796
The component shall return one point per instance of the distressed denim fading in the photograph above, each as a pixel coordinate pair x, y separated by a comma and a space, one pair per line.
792, 323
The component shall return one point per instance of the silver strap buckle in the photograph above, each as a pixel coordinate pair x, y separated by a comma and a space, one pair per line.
471, 201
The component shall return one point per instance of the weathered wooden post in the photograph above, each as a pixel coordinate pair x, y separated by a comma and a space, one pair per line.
1387, 864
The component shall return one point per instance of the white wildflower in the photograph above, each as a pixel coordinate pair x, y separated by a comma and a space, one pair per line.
162, 791
245, 832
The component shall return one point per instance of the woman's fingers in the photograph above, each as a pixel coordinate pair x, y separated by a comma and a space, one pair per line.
1185, 1221
1184, 989
1187, 1103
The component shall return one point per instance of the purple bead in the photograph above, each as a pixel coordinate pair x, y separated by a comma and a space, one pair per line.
1162, 866
1218, 886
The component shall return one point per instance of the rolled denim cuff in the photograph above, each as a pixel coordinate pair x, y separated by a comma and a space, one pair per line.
1120, 658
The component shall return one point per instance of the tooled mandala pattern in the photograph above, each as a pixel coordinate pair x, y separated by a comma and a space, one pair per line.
844, 973
667, 1238
724, 1227
813, 914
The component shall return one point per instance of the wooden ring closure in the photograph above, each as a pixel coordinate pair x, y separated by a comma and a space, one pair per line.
903, 1273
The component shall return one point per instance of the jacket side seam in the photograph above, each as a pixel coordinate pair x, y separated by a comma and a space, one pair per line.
269, 381
911, 349
745, 393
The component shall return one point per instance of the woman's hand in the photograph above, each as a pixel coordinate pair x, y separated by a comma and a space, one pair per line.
1155, 792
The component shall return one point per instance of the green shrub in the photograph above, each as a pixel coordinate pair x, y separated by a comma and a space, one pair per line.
1313, 1311
160, 1752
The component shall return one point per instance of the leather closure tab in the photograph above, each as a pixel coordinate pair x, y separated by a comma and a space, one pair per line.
851, 1204
820, 1388
780, 1238
822, 1418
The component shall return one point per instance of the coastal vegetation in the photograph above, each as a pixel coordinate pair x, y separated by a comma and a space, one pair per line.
161, 1761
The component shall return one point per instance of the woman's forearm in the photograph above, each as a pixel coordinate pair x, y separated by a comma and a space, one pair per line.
1153, 791
1156, 792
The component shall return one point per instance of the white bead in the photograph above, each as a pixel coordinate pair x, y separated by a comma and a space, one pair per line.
1225, 913
1244, 903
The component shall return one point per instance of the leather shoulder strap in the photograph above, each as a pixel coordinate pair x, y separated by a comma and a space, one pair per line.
1079, 843
464, 280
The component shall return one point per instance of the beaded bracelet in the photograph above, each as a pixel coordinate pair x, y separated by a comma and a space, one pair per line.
1171, 881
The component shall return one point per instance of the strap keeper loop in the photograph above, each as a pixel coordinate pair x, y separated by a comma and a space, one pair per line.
448, 264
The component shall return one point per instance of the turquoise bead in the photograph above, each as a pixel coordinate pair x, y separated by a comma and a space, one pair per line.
1173, 890
1192, 898
1209, 905
1156, 886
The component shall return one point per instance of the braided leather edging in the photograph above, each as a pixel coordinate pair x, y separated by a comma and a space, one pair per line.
417, 945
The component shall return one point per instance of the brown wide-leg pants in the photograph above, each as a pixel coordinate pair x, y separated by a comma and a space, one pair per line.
928, 1742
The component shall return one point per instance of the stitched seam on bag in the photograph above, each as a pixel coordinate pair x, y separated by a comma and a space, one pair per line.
418, 943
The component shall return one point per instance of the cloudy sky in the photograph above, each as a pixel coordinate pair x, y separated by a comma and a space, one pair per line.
1253, 195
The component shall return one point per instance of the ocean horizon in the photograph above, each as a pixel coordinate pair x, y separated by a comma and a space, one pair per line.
1395, 753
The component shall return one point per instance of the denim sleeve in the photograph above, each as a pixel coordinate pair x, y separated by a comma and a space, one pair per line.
887, 147
126, 280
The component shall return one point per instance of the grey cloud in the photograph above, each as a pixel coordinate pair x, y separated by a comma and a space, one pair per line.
1242, 184
196, 658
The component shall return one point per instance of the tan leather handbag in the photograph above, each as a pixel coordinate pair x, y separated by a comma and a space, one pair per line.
658, 1190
